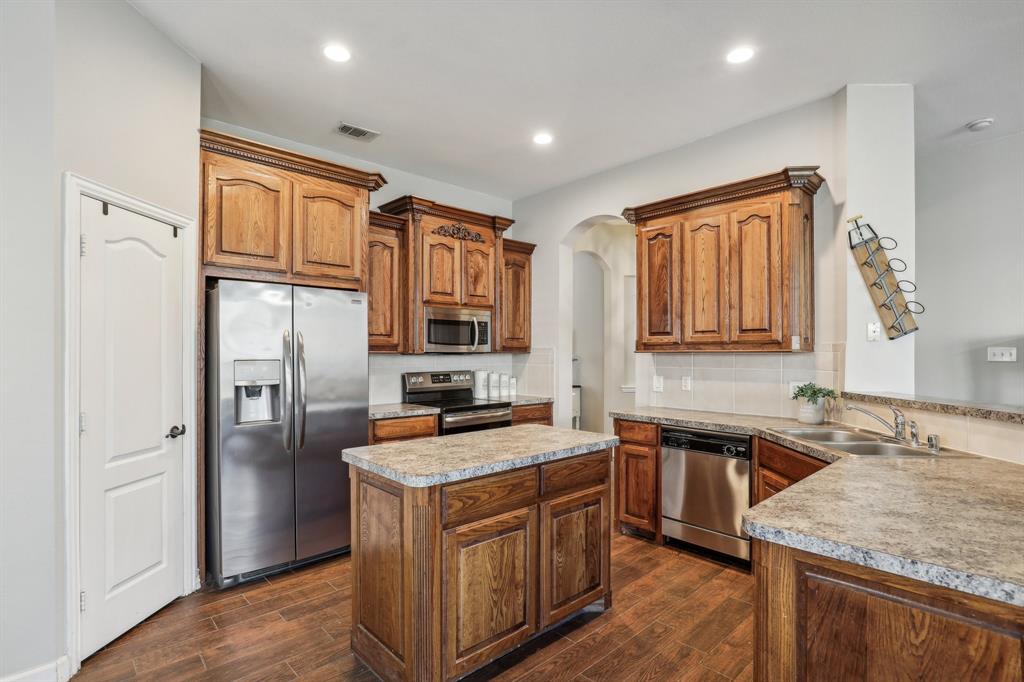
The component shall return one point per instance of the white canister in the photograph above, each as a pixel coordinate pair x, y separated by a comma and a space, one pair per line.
503, 386
512, 388
480, 384
493, 386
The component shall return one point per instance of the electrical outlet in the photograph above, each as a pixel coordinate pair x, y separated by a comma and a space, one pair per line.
793, 385
658, 383
1002, 354
684, 384
874, 331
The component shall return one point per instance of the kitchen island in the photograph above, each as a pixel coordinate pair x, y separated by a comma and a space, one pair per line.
466, 546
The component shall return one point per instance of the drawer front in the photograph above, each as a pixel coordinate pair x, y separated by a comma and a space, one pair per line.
531, 414
404, 428
576, 473
488, 496
638, 432
791, 464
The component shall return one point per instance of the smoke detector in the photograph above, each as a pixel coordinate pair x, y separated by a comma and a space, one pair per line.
980, 124
356, 132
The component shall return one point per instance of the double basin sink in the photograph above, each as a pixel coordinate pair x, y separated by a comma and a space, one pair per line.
857, 442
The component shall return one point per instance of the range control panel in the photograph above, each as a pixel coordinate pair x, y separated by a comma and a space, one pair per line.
433, 381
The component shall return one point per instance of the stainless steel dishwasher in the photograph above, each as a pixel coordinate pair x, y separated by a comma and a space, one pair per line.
705, 488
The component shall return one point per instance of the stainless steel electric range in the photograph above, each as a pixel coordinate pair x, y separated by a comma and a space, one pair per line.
452, 393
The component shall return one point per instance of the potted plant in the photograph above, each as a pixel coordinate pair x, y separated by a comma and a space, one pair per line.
812, 409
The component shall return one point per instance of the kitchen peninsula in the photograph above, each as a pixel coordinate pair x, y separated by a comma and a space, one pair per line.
465, 546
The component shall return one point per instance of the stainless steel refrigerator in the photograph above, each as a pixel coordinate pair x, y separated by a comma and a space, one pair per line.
286, 391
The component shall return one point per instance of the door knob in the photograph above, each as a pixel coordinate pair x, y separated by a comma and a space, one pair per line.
175, 431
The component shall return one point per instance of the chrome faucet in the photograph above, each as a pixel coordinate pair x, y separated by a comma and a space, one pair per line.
915, 437
898, 428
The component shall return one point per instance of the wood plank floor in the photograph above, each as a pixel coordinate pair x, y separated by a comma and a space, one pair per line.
676, 616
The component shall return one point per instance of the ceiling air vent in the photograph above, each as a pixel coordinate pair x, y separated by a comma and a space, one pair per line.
357, 133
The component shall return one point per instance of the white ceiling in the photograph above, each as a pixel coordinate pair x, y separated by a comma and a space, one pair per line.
458, 88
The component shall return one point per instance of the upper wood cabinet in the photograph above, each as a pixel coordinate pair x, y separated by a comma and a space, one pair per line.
442, 265
385, 283
478, 272
270, 214
729, 268
516, 286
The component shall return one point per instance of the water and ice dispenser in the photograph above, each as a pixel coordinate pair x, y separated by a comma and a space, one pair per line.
257, 391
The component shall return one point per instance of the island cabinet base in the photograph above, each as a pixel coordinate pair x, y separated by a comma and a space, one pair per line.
447, 578
820, 619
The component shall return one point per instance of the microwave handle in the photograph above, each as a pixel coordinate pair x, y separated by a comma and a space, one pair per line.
476, 333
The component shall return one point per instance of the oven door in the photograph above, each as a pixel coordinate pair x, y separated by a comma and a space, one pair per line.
455, 330
463, 422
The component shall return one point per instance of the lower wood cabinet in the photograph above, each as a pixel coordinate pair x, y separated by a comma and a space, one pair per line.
489, 588
638, 499
448, 578
777, 467
820, 619
532, 414
402, 428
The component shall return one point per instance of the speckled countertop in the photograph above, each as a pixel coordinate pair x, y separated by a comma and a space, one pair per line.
425, 462
953, 520
393, 410
521, 399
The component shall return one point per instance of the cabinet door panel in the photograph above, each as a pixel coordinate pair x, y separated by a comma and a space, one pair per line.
330, 223
490, 573
384, 290
638, 486
247, 216
442, 268
756, 283
705, 279
574, 542
478, 276
659, 309
769, 483
515, 301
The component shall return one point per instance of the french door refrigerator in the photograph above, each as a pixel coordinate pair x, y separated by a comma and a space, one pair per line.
286, 391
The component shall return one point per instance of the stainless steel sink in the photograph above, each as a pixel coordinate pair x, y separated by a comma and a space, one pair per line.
880, 449
831, 435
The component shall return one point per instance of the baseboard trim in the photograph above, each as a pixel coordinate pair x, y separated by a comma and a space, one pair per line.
54, 671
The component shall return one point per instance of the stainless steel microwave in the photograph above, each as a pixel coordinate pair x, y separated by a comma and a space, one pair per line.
456, 330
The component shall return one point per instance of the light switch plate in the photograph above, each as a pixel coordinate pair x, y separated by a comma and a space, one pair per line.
658, 383
684, 384
1002, 354
874, 331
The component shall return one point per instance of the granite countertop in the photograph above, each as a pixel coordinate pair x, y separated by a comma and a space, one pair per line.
952, 520
1012, 414
393, 410
425, 462
521, 399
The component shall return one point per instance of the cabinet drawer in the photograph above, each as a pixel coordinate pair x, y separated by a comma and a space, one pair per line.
488, 496
791, 464
531, 414
575, 473
638, 432
404, 428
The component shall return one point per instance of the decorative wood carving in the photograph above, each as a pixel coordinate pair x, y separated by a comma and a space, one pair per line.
459, 231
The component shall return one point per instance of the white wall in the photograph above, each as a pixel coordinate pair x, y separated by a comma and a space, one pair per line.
970, 267
589, 350
879, 166
801, 136
400, 183
31, 616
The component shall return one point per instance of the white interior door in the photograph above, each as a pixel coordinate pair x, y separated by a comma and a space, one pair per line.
130, 497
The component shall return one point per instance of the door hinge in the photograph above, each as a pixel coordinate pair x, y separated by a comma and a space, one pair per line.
81, 422
81, 601
81, 244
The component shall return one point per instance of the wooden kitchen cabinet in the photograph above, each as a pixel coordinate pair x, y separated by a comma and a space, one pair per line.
516, 291
489, 588
532, 414
402, 428
478, 275
638, 475
385, 283
821, 619
729, 268
442, 265
273, 215
777, 467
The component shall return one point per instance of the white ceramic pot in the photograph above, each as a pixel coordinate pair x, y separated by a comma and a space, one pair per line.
812, 413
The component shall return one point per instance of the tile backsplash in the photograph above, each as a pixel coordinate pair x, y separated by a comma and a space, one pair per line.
741, 383
534, 372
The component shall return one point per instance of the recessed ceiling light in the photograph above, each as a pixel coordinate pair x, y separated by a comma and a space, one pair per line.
543, 138
740, 54
337, 53
980, 124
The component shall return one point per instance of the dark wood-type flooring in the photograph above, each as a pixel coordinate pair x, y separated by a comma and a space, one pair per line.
676, 616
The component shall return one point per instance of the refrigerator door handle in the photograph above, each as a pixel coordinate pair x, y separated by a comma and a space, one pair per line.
286, 391
300, 348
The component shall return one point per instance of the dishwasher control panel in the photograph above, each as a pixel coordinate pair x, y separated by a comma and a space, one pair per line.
722, 444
